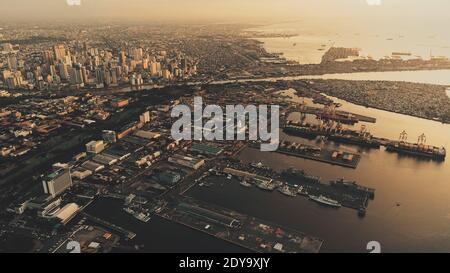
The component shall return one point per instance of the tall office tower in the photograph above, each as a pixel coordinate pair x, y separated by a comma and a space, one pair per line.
84, 74
166, 74
122, 57
73, 75
107, 77
97, 61
114, 77
47, 56
68, 59
38, 72
12, 62
184, 64
100, 76
52, 70
60, 52
153, 68
57, 182
63, 71
145, 64
138, 54
118, 72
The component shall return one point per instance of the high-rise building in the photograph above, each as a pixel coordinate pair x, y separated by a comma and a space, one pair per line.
63, 71
57, 182
138, 54
60, 52
12, 62
122, 57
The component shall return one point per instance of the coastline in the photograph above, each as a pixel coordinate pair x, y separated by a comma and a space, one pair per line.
446, 87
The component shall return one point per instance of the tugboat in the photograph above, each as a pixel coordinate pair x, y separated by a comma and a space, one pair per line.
325, 201
287, 191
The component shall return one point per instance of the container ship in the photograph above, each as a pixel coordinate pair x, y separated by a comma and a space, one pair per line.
421, 150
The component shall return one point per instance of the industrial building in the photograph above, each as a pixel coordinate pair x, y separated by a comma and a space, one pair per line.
205, 149
167, 177
147, 134
209, 215
105, 159
145, 117
81, 173
95, 147
67, 212
186, 161
92, 166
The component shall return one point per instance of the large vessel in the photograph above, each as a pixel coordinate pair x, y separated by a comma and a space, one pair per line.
352, 186
286, 190
301, 174
141, 216
325, 201
433, 152
344, 136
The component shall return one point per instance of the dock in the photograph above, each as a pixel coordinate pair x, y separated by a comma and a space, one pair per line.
332, 157
129, 234
239, 229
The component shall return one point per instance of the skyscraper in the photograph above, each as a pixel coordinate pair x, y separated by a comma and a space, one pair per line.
60, 52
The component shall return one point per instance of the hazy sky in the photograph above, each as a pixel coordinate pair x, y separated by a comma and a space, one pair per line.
225, 9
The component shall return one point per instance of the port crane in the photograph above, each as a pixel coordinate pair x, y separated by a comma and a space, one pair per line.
422, 139
403, 136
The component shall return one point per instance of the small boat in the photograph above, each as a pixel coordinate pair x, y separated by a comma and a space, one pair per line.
245, 184
325, 201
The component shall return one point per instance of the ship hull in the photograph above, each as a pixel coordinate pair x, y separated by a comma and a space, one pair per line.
416, 153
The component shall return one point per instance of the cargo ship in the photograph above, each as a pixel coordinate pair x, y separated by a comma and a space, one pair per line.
420, 150
325, 201
343, 136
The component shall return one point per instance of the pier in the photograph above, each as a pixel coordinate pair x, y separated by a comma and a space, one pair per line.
239, 229
129, 234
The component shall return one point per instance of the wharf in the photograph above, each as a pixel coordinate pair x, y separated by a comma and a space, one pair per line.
239, 229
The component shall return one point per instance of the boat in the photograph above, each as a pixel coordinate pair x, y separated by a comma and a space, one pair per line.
245, 184
287, 191
300, 174
420, 150
325, 201
141, 216
302, 191
144, 217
